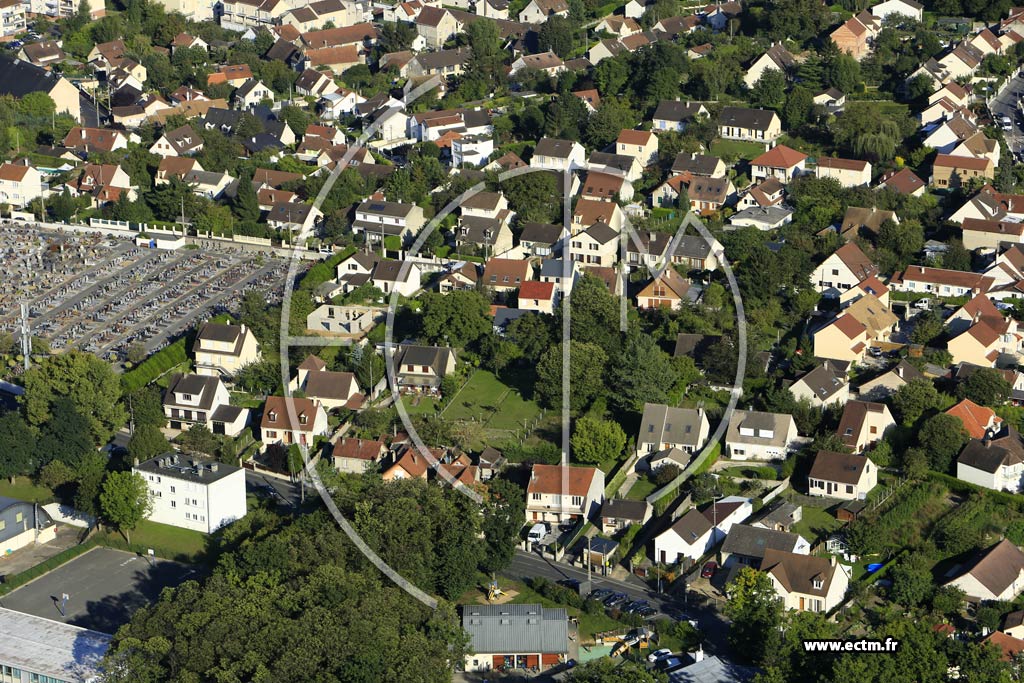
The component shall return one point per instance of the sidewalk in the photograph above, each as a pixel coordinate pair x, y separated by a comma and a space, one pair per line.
30, 556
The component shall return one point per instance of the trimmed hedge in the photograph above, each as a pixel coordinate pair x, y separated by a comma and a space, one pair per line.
156, 365
20, 579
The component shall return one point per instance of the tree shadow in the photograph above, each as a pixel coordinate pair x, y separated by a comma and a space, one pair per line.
113, 611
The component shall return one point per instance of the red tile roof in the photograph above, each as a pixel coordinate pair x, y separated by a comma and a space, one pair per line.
975, 418
779, 156
571, 481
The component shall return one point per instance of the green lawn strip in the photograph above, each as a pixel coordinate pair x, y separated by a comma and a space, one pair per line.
24, 489
171, 542
738, 148
641, 489
816, 524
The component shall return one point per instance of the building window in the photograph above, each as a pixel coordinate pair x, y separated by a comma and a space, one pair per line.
849, 488
536, 496
18, 517
174, 504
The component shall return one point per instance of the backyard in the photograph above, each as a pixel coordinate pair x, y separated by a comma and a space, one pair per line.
170, 542
736, 149
24, 489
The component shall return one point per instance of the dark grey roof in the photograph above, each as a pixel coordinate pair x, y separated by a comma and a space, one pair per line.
390, 270
260, 142
695, 345
752, 541
756, 119
554, 267
543, 233
697, 164
823, 381
989, 455
226, 413
19, 78
202, 386
478, 230
602, 232
691, 526
622, 162
621, 508
512, 629
693, 246
380, 207
289, 212
283, 50
431, 61
666, 424
186, 468
503, 316
713, 670
674, 110
219, 332
553, 147
433, 356
224, 119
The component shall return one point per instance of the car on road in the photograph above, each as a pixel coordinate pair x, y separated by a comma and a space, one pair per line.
615, 599
646, 612
634, 605
573, 584
709, 570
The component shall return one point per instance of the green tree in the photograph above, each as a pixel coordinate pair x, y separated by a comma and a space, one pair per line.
606, 670
842, 73
88, 382
597, 441
458, 318
503, 513
956, 256
914, 399
595, 314
147, 442
199, 439
533, 334
948, 601
65, 436
534, 196
642, 373
911, 581
89, 477
756, 614
985, 386
586, 373
769, 91
604, 126
942, 436
556, 35
17, 442
124, 501
63, 206
798, 108
927, 327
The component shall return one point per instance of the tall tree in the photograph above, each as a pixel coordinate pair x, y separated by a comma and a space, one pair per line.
147, 442
458, 318
755, 612
245, 204
124, 501
642, 373
586, 375
596, 441
17, 443
503, 511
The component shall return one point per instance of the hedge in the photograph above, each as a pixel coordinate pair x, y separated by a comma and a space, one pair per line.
156, 365
13, 581
966, 488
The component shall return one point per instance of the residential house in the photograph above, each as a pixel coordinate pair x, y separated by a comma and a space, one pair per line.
539, 239
193, 494
222, 349
616, 164
19, 78
202, 400
598, 245
995, 462
606, 187
557, 493
620, 26
690, 537
979, 422
755, 435
708, 195
847, 336
899, 8
978, 146
396, 277
591, 99
19, 184
864, 424
763, 218
940, 282
103, 183
782, 163
177, 143
331, 389
849, 172
951, 172
558, 155
806, 582
355, 456
888, 383
421, 369
506, 275
379, 219
777, 58
538, 11
12, 17
979, 233
746, 545
88, 140
665, 427
312, 83
824, 385
862, 222
436, 26
750, 125
673, 115
545, 62
641, 144
988, 342
538, 296
699, 165
855, 35
903, 181
997, 573
841, 271
240, 15
294, 217
667, 290
251, 93
527, 636
291, 420
618, 514
841, 475
444, 63
43, 54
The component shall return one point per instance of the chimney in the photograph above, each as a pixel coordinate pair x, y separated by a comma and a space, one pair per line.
899, 370
135, 462
832, 560
214, 466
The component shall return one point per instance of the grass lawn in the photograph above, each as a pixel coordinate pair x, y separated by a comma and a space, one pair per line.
736, 148
419, 405
816, 523
164, 380
486, 398
641, 489
167, 541
750, 472
24, 489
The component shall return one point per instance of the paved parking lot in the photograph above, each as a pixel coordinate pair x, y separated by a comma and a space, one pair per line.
104, 586
102, 293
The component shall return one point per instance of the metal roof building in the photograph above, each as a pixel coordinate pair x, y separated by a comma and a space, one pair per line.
33, 646
515, 636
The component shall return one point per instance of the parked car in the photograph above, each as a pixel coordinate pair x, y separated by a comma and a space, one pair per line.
709, 570
574, 584
647, 612
615, 599
669, 664
600, 594
658, 654
537, 532
874, 352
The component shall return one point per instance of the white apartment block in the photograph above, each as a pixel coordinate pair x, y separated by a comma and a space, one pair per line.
193, 494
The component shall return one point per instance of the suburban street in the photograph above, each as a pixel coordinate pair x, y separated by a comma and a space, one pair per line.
1006, 105
710, 622
287, 493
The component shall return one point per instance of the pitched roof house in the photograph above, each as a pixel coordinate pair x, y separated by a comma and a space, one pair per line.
841, 475
756, 435
806, 582
557, 493
997, 573
996, 463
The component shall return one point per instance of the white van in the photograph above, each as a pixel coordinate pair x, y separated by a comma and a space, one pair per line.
537, 532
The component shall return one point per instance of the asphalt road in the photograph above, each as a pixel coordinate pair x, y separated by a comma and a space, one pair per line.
287, 493
1006, 104
710, 622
